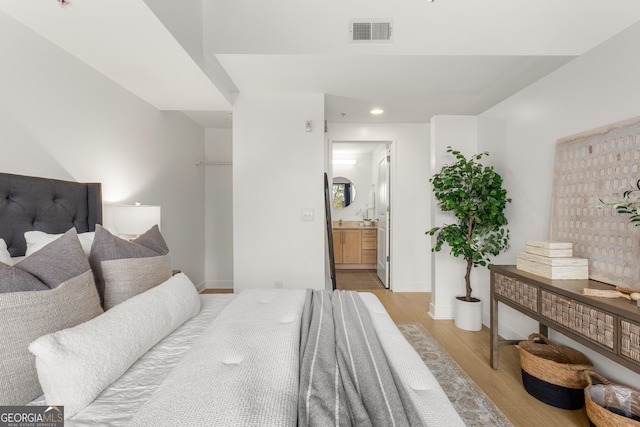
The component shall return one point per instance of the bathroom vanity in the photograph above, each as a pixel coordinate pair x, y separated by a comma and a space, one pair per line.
355, 245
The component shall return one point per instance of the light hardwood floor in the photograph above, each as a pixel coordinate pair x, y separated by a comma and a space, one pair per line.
471, 351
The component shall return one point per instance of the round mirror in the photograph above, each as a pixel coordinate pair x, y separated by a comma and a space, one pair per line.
344, 192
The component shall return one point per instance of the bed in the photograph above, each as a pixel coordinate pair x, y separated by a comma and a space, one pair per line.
102, 328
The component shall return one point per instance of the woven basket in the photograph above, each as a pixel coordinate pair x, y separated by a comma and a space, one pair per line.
611, 405
553, 373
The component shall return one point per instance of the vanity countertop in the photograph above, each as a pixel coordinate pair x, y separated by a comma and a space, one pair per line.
353, 224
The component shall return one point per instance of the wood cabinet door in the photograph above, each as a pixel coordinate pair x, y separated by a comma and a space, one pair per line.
352, 247
337, 246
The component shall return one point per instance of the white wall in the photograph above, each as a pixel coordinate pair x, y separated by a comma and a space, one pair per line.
218, 209
410, 247
596, 89
278, 170
61, 119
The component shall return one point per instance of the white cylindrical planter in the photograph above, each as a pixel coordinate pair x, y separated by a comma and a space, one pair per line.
468, 315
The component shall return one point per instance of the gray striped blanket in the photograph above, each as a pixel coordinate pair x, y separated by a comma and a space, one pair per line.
345, 379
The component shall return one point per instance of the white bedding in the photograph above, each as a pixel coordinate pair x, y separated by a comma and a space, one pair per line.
120, 401
418, 382
125, 399
243, 371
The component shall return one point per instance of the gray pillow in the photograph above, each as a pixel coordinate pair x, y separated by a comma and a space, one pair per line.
124, 269
16, 280
27, 315
53, 265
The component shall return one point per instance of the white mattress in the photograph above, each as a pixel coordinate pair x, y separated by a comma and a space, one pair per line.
243, 371
122, 399
117, 405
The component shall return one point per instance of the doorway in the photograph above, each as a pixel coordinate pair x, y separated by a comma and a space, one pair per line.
364, 167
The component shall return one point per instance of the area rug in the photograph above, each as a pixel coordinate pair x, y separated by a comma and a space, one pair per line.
473, 405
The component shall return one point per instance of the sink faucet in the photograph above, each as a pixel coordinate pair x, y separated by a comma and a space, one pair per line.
340, 222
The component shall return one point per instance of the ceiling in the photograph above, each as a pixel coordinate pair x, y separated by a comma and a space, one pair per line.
446, 57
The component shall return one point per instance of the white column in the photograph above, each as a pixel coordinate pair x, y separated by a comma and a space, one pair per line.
278, 170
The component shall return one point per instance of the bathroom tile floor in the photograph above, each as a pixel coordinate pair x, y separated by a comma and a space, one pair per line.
357, 280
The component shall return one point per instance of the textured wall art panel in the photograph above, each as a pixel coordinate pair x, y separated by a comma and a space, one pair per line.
590, 166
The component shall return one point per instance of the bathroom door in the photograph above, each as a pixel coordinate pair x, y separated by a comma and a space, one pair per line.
384, 220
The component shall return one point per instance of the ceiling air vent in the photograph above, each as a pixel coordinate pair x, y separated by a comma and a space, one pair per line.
368, 30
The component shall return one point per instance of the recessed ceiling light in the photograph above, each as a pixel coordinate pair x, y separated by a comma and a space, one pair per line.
377, 111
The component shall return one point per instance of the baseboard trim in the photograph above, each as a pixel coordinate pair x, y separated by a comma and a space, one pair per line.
200, 287
355, 266
218, 284
441, 313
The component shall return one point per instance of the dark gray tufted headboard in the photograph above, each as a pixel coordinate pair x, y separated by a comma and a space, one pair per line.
49, 205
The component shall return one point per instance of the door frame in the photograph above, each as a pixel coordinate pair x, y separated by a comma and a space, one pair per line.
392, 150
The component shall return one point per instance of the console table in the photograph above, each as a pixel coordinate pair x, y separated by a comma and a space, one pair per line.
610, 326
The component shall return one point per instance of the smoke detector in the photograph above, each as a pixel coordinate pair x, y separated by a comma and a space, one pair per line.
370, 30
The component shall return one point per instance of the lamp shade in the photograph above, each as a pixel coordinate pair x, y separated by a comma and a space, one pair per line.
132, 220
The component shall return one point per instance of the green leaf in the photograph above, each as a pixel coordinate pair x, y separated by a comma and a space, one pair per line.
474, 194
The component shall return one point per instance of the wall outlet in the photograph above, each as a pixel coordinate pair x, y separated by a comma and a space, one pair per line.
278, 284
307, 214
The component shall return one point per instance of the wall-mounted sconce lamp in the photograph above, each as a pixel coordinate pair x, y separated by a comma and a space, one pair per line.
131, 221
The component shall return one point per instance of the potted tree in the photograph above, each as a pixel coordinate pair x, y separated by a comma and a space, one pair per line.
474, 194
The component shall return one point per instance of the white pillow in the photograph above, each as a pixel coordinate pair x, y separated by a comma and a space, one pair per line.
37, 240
74, 365
5, 256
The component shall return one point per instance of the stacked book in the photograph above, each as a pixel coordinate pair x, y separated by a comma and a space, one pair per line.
553, 260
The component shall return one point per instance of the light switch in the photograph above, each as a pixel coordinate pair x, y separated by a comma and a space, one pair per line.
307, 214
